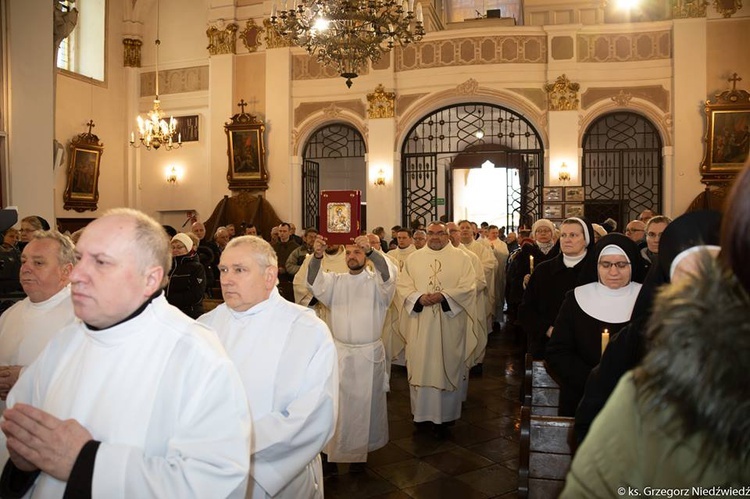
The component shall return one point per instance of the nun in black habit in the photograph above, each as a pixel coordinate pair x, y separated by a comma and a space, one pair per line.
551, 280
590, 311
627, 348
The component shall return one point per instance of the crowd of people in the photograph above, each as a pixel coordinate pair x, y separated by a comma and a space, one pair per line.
117, 381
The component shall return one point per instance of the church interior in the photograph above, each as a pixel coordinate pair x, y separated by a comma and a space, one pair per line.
581, 96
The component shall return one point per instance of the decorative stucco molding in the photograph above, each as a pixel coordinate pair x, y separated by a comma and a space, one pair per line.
624, 47
222, 38
330, 109
273, 39
175, 81
725, 9
251, 35
131, 52
683, 9
622, 96
562, 95
381, 104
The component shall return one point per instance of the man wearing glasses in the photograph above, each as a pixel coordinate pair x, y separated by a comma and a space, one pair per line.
654, 229
438, 293
636, 231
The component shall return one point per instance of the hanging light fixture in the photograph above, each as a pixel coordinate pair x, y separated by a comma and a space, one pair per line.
347, 34
153, 130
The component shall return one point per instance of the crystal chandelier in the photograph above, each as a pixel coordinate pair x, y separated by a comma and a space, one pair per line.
154, 131
347, 34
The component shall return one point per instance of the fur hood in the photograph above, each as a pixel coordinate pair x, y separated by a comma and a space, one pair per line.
699, 353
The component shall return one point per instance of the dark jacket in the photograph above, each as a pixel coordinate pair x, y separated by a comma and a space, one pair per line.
518, 267
187, 285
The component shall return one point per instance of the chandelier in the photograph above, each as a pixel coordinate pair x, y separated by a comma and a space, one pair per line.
153, 130
347, 34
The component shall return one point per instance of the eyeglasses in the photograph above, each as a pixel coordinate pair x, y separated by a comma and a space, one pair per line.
654, 235
630, 231
619, 265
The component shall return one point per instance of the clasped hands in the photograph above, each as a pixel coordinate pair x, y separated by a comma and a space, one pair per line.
8, 377
39, 440
429, 299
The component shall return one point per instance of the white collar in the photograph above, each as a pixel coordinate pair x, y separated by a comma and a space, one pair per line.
607, 305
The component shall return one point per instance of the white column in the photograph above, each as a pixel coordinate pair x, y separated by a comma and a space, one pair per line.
30, 108
284, 179
689, 95
221, 107
382, 201
133, 187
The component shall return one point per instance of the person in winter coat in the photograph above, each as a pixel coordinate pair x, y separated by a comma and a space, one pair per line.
187, 278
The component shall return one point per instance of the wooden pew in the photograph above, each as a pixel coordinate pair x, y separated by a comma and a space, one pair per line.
546, 439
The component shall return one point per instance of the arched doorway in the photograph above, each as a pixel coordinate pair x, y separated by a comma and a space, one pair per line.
333, 159
467, 136
622, 167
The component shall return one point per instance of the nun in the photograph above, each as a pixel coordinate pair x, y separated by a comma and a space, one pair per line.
590, 313
628, 347
550, 281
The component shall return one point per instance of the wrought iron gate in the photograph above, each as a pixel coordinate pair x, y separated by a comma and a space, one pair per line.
310, 193
479, 130
622, 167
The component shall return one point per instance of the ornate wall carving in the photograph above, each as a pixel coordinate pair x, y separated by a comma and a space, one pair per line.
251, 35
655, 94
305, 67
471, 51
381, 104
273, 40
131, 52
682, 9
624, 47
175, 81
727, 8
331, 109
562, 95
222, 38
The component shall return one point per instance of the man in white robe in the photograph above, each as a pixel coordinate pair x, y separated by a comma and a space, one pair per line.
135, 399
439, 287
287, 362
334, 260
358, 301
500, 250
393, 334
27, 326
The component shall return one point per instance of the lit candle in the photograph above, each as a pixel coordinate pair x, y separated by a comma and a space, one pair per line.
132, 138
605, 340
419, 13
531, 264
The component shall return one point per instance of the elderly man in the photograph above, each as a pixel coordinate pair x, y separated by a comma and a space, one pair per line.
27, 326
636, 231
283, 248
297, 257
287, 362
199, 230
135, 399
500, 250
358, 301
438, 291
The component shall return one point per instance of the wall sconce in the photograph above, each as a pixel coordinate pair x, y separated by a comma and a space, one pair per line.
380, 179
172, 176
563, 174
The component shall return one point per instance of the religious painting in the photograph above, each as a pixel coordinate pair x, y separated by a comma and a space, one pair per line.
727, 135
246, 151
82, 189
553, 211
340, 216
573, 210
574, 193
552, 194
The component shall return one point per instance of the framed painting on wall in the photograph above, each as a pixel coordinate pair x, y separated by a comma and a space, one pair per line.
553, 211
574, 193
574, 210
552, 194
247, 152
82, 188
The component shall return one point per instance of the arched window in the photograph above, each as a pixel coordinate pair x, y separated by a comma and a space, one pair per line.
82, 51
622, 167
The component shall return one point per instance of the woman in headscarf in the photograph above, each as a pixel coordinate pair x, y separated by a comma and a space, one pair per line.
680, 419
589, 311
187, 278
627, 348
551, 280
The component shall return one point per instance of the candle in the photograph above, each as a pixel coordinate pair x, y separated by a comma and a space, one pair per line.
531, 264
132, 138
605, 340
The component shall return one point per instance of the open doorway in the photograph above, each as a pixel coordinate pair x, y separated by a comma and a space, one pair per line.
486, 194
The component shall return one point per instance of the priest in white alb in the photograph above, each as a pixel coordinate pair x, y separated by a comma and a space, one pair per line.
334, 260
439, 290
287, 362
393, 334
358, 301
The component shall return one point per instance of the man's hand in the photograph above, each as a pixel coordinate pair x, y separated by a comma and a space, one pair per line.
363, 243
319, 246
429, 299
38, 440
549, 331
8, 377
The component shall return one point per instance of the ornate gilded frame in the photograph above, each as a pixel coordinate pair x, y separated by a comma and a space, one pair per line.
727, 135
247, 151
82, 189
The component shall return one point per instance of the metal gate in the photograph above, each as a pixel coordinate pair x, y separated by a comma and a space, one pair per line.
622, 167
336, 140
480, 131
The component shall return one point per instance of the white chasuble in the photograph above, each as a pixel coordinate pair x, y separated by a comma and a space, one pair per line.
358, 305
287, 362
393, 335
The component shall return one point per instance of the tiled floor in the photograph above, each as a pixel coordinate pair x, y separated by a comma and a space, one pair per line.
479, 459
